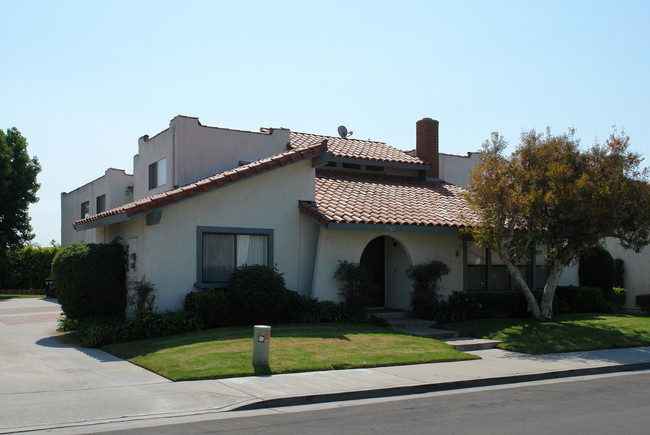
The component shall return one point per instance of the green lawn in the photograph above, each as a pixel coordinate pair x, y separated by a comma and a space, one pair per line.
227, 352
20, 296
566, 333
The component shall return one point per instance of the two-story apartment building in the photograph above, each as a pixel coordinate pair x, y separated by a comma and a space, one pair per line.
204, 200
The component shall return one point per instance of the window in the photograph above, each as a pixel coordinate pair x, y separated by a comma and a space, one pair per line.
374, 168
100, 204
476, 267
221, 250
485, 271
85, 209
158, 173
351, 166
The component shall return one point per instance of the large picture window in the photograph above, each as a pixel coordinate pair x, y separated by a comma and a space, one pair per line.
221, 250
485, 271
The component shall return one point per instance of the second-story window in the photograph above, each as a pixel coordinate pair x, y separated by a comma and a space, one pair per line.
100, 204
85, 209
158, 173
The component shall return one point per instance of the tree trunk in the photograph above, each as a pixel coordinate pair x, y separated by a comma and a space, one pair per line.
533, 307
549, 290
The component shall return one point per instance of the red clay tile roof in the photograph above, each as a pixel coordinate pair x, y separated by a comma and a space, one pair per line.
359, 198
356, 149
224, 178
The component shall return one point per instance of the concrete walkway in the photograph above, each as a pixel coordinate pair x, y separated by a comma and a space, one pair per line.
47, 383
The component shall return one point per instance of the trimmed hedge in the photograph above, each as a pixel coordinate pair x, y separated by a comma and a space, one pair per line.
643, 301
598, 269
257, 294
620, 297
90, 280
26, 267
100, 331
461, 306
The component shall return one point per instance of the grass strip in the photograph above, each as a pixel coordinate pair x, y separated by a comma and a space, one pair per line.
565, 333
227, 352
2, 296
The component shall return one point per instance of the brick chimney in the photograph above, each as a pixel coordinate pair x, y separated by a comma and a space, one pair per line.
426, 148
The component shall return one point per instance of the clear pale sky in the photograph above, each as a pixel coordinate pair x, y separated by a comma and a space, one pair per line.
83, 80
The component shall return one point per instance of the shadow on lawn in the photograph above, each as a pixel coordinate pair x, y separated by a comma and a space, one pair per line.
566, 333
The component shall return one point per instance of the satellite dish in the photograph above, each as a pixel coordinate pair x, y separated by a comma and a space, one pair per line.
343, 132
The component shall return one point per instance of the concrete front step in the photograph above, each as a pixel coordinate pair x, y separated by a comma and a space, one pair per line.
410, 323
390, 314
438, 334
468, 343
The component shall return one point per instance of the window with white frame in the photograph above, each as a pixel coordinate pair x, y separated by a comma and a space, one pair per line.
158, 173
221, 250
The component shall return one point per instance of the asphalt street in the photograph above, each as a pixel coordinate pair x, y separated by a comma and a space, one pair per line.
599, 404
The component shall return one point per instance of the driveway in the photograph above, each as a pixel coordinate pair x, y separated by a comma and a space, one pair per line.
47, 381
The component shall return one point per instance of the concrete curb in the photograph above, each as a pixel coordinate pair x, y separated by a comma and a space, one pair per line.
435, 387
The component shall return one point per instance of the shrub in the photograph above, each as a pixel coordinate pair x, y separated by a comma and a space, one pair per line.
597, 269
141, 297
425, 279
643, 302
100, 331
258, 294
461, 306
356, 286
89, 280
572, 299
620, 296
26, 267
620, 273
213, 309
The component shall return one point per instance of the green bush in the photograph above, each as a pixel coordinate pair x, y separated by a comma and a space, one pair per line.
100, 331
259, 295
620, 273
461, 306
620, 297
425, 279
643, 302
598, 269
572, 299
26, 267
213, 309
89, 280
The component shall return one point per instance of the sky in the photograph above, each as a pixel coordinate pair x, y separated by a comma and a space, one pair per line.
84, 80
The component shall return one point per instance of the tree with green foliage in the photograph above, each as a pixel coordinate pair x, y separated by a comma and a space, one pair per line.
18, 189
551, 193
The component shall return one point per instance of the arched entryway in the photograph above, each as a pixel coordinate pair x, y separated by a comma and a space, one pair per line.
387, 261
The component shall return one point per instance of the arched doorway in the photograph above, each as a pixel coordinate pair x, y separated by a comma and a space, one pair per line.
387, 261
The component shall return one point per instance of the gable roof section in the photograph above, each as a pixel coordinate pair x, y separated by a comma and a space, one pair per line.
356, 149
222, 179
360, 198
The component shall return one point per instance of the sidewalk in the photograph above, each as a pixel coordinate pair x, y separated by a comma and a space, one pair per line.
49, 384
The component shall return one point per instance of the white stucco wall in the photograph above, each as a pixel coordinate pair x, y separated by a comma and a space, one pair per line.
455, 169
344, 245
168, 250
194, 152
113, 184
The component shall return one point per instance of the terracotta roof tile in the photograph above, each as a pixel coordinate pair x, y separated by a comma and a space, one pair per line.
349, 197
161, 199
356, 149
